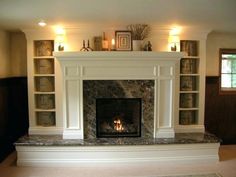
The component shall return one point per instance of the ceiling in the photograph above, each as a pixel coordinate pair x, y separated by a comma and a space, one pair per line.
217, 15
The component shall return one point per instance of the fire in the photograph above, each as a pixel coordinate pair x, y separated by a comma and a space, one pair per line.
118, 125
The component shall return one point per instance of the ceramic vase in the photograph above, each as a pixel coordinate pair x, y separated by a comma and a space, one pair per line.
137, 45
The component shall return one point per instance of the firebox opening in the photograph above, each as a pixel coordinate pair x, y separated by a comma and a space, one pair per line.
118, 117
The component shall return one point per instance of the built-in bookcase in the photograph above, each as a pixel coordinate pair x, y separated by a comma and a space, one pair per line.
44, 83
189, 83
44, 78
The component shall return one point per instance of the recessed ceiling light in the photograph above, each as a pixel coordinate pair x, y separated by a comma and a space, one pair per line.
42, 23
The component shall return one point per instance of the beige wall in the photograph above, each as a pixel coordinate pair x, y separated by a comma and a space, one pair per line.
18, 54
214, 42
13, 59
4, 54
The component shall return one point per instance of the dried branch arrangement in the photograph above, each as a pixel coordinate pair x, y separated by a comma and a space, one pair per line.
139, 31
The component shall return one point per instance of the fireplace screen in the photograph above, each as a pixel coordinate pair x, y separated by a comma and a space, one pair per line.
118, 117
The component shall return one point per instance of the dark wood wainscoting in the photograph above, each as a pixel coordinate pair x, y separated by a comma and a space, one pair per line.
220, 112
13, 112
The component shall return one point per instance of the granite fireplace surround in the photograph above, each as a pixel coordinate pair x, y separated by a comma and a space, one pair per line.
152, 76
143, 89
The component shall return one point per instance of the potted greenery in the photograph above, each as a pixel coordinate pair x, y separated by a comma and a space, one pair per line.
139, 33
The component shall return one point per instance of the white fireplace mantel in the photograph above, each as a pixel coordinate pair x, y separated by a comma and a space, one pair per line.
162, 67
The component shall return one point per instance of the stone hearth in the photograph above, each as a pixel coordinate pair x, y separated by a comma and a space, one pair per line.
53, 150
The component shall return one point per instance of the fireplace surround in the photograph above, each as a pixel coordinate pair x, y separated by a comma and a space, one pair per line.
77, 67
98, 89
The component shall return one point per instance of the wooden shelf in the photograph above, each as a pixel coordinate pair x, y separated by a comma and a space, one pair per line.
189, 109
44, 57
193, 91
189, 74
45, 110
44, 75
191, 57
44, 93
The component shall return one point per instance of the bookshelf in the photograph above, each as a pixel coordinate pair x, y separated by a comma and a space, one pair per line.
189, 83
44, 83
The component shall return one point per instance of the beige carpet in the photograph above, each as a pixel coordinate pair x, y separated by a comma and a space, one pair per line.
195, 175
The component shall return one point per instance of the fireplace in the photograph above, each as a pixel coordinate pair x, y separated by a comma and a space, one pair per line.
118, 117
77, 68
86, 76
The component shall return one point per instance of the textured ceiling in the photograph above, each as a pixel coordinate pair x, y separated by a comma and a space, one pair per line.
217, 15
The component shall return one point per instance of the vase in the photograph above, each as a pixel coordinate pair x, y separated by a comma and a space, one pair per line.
137, 45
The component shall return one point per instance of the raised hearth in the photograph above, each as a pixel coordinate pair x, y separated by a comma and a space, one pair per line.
52, 150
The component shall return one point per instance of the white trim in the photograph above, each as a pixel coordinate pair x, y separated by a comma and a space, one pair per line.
93, 155
190, 129
73, 134
79, 66
45, 130
165, 133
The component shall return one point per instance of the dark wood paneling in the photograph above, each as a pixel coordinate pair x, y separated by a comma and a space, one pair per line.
13, 112
3, 107
220, 112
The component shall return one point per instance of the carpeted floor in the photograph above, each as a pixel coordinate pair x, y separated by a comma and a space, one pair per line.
195, 175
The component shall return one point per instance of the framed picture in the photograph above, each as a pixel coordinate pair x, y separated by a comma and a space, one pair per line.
123, 40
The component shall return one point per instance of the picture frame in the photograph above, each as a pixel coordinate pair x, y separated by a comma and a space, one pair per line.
123, 40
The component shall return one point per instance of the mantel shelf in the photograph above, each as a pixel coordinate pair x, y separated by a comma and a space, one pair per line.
100, 55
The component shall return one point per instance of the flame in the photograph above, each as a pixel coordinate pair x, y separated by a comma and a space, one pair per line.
118, 125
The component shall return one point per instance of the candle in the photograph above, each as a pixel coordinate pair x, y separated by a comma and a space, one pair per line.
113, 44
